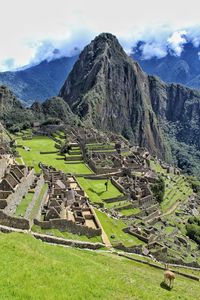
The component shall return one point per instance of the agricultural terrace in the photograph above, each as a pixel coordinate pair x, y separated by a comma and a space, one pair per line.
177, 188
32, 155
31, 269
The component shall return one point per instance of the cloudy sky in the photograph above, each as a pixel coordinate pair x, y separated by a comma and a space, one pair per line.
31, 30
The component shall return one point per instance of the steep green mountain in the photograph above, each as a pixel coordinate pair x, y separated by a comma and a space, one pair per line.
55, 108
15, 116
108, 90
12, 113
38, 82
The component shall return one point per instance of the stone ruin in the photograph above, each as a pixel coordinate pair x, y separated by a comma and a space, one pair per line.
15, 181
66, 207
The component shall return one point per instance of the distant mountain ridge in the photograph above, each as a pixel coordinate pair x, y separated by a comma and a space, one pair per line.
43, 81
38, 82
184, 69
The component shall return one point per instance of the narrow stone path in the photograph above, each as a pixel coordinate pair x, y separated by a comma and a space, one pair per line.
38, 188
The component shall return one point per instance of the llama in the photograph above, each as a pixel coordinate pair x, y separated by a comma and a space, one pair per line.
169, 277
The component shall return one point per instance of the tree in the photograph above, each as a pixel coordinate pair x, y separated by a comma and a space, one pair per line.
158, 189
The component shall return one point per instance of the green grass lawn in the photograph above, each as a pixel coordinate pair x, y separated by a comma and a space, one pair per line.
19, 160
130, 211
114, 227
67, 235
42, 143
31, 269
96, 189
22, 207
36, 206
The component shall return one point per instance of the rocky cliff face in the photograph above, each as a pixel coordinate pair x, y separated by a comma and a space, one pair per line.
179, 107
107, 89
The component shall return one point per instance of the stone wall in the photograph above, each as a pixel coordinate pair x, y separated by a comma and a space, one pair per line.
116, 199
99, 170
118, 186
60, 241
48, 152
73, 158
13, 221
139, 236
22, 188
146, 201
3, 203
67, 225
153, 215
3, 166
133, 249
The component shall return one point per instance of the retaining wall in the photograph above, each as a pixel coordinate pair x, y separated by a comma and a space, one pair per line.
13, 221
66, 225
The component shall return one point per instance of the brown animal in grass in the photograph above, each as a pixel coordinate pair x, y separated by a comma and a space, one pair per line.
169, 277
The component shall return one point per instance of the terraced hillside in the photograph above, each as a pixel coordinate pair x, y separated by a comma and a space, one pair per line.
177, 188
42, 149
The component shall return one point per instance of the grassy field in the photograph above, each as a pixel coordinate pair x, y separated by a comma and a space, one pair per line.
33, 270
22, 207
44, 144
96, 189
114, 227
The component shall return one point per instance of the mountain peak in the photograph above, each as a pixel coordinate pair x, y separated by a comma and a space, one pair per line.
108, 90
105, 37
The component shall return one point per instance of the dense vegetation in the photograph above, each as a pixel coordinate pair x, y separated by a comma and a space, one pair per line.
193, 229
158, 189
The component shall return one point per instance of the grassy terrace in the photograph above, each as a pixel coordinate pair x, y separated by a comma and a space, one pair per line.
130, 211
23, 205
176, 187
100, 145
114, 227
66, 235
96, 189
45, 144
33, 270
36, 206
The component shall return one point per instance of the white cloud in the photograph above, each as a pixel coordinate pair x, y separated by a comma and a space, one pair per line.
176, 41
30, 29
